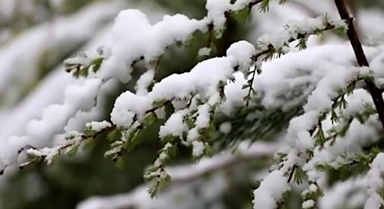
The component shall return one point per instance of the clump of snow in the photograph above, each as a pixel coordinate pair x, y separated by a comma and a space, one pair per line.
127, 106
313, 188
98, 126
198, 148
203, 119
225, 127
234, 93
175, 125
204, 51
216, 12
271, 190
308, 204
203, 78
144, 82
242, 51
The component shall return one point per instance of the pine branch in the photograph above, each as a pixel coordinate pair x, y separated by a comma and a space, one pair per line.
269, 52
361, 58
61, 148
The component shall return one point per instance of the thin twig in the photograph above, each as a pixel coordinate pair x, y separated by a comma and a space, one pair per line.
361, 58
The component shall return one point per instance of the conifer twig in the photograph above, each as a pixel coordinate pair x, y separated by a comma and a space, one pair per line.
361, 58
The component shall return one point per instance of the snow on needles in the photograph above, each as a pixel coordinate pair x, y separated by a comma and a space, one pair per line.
98, 126
357, 136
329, 81
133, 38
201, 81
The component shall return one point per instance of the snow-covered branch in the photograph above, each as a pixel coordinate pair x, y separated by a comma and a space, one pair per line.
314, 99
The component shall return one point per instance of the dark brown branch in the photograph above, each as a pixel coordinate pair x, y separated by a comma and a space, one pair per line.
293, 170
361, 58
251, 4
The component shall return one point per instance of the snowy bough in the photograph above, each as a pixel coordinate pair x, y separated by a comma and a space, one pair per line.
327, 101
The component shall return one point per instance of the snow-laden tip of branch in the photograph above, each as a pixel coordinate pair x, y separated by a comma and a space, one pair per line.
216, 11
